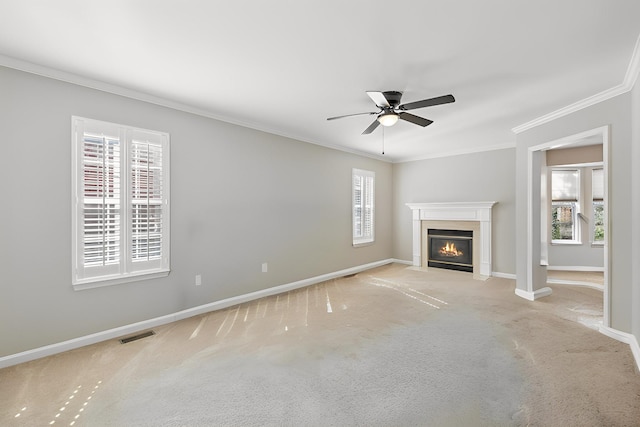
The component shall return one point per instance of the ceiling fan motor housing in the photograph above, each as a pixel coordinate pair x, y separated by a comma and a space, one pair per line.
393, 97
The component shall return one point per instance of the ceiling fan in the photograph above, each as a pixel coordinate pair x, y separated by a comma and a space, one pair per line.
391, 110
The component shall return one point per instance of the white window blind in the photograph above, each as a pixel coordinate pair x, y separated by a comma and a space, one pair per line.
121, 212
565, 185
597, 189
363, 206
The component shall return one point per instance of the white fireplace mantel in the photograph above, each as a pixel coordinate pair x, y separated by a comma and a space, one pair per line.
455, 211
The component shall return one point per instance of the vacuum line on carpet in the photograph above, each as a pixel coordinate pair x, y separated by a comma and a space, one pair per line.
402, 285
383, 285
223, 322
196, 331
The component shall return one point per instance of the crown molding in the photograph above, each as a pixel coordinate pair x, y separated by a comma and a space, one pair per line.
76, 79
460, 152
576, 106
633, 70
630, 78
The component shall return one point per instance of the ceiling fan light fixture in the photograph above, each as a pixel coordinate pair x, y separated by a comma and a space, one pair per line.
388, 119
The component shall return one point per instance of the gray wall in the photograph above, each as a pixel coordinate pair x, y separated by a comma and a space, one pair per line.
615, 112
476, 177
635, 205
240, 197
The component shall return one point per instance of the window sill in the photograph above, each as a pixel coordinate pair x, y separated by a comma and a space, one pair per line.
98, 282
361, 244
565, 243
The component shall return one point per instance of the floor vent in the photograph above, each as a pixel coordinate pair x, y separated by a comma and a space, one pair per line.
137, 337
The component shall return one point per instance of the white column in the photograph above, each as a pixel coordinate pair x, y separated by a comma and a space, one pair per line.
417, 243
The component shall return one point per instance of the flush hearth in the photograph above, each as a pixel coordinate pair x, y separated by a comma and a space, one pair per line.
450, 249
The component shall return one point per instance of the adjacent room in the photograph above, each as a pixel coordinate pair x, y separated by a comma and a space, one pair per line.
320, 213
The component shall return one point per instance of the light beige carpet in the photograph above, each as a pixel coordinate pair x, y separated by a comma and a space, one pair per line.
577, 277
388, 347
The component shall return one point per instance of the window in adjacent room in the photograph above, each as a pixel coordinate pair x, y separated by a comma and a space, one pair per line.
121, 203
597, 196
565, 205
363, 206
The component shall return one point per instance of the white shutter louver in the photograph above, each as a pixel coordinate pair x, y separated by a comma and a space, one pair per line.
357, 206
363, 206
146, 201
101, 200
367, 221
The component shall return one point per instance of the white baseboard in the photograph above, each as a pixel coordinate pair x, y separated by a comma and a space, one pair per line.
625, 338
574, 268
401, 261
503, 275
532, 296
48, 350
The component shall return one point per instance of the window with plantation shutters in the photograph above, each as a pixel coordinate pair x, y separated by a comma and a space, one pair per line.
121, 203
363, 206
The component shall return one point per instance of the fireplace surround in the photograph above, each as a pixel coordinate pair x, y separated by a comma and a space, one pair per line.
472, 216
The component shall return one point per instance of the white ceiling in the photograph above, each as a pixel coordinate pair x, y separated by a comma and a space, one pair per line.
285, 66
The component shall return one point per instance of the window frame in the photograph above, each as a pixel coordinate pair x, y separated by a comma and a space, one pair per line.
360, 222
575, 208
155, 179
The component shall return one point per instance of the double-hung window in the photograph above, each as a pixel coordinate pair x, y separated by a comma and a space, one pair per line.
120, 203
597, 196
565, 198
363, 206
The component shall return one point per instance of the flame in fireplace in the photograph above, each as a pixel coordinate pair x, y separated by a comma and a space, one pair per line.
450, 250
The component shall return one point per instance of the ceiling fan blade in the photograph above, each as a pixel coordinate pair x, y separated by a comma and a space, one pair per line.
350, 115
415, 119
446, 99
371, 127
379, 99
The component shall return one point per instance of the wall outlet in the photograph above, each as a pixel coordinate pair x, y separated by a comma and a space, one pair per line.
265, 267
198, 279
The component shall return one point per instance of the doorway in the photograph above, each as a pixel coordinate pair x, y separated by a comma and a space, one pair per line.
537, 208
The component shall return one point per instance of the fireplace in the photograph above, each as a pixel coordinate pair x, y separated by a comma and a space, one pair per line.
468, 216
450, 249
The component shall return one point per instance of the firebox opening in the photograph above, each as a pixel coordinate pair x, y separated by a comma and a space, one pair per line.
450, 249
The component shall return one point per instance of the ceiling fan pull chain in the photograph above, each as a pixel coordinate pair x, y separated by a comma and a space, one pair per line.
383, 140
